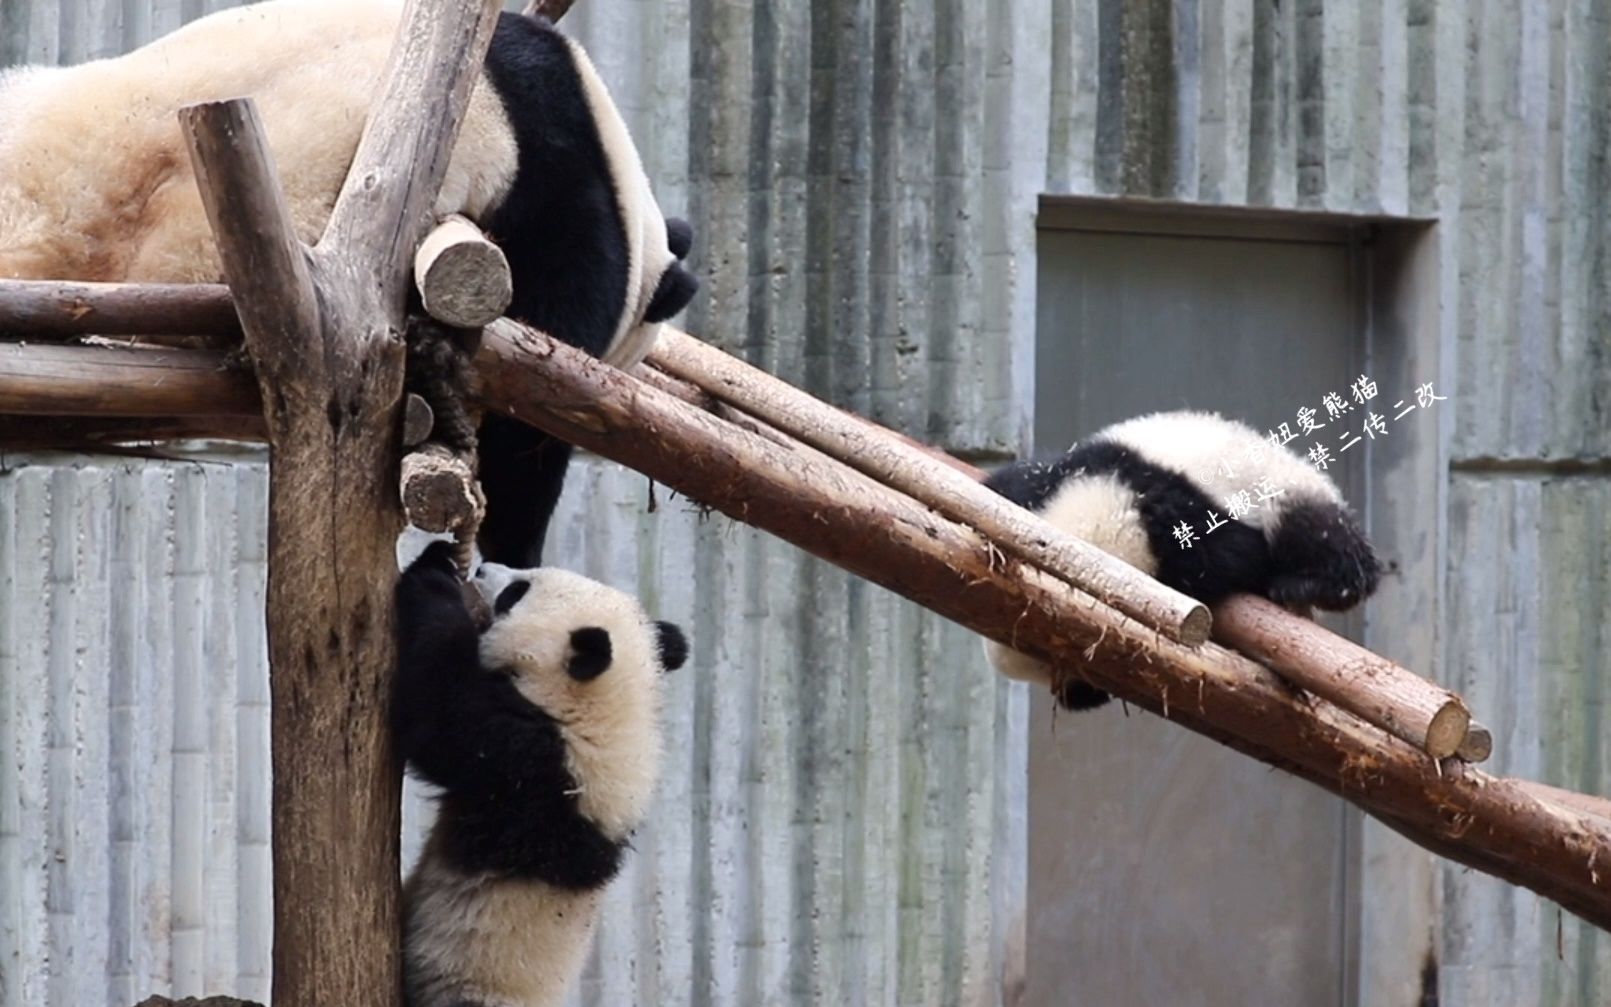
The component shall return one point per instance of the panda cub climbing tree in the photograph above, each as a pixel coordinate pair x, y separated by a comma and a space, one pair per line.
543, 733
544, 164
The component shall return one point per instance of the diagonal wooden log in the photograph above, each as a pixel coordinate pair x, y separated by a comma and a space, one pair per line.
1388, 695
324, 329
1492, 824
875, 453
1383, 693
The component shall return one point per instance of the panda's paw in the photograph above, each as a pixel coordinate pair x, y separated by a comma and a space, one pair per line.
438, 558
412, 544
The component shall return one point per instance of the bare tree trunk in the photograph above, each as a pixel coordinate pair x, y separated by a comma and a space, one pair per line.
325, 332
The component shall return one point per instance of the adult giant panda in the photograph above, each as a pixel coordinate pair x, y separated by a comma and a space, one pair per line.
1126, 490
543, 732
96, 184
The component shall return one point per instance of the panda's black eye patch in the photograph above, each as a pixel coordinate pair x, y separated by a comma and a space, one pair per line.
510, 595
590, 653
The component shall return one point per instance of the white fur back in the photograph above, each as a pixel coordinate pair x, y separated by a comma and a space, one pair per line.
1100, 509
1197, 444
648, 253
95, 181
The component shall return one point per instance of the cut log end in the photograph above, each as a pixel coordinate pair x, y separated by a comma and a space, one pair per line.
462, 277
1446, 730
418, 420
439, 491
1196, 626
1477, 744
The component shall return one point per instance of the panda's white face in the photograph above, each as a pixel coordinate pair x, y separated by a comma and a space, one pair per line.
591, 658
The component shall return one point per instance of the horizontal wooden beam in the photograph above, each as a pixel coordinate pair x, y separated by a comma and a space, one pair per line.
44, 309
49, 380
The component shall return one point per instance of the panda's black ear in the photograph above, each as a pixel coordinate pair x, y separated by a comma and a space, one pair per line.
590, 653
676, 288
673, 645
679, 236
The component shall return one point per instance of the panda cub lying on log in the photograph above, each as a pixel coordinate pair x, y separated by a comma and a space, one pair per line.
1127, 488
543, 732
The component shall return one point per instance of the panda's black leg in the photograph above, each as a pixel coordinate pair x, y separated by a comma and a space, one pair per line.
522, 474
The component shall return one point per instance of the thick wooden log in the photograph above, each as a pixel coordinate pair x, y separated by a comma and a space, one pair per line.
1587, 803
463, 278
49, 380
41, 309
1392, 697
894, 463
827, 509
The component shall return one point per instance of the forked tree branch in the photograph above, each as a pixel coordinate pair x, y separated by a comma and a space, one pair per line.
326, 334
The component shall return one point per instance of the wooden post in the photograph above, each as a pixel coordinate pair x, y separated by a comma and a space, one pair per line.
325, 332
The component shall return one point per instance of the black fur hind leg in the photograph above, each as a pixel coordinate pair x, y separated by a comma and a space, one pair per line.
1321, 559
1077, 695
522, 473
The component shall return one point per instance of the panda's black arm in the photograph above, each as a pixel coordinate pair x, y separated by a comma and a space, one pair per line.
438, 651
463, 727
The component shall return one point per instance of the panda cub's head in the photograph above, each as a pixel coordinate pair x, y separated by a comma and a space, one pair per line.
589, 657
